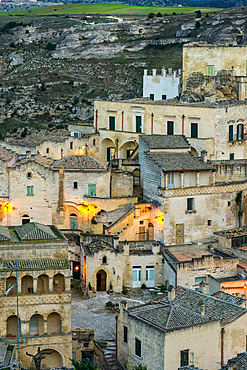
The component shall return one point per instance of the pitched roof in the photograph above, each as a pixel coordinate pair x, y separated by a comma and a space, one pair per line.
168, 317
34, 230
36, 264
171, 162
43, 161
80, 162
4, 233
6, 154
96, 246
215, 308
166, 141
230, 298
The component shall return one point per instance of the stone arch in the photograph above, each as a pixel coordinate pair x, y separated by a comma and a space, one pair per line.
126, 147
101, 278
27, 284
196, 152
53, 361
43, 284
25, 219
10, 282
54, 324
36, 325
105, 144
58, 283
11, 326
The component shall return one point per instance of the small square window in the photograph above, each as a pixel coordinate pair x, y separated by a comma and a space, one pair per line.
151, 96
86, 344
231, 156
163, 97
138, 351
141, 222
190, 204
209, 222
125, 334
29, 175
71, 145
75, 185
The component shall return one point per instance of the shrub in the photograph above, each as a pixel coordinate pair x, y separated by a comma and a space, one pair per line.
198, 24
43, 87
198, 13
159, 15
174, 13
50, 46
71, 82
151, 15
144, 286
140, 367
85, 364
12, 44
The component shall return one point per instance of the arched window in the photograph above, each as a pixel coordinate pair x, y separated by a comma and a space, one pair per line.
12, 326
27, 285
54, 324
36, 325
43, 284
104, 260
73, 221
25, 219
58, 283
10, 282
240, 131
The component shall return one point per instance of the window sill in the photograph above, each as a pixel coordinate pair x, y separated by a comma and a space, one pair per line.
190, 211
139, 358
125, 343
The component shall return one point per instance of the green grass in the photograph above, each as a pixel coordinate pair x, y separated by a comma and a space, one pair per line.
106, 9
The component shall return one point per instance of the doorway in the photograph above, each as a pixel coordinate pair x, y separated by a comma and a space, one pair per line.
101, 281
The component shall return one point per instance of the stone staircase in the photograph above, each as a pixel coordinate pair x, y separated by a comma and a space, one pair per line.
3, 350
110, 355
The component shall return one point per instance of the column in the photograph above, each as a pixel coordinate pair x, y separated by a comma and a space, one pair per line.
166, 181
67, 284
45, 326
213, 175
19, 285
198, 179
50, 284
182, 180
35, 281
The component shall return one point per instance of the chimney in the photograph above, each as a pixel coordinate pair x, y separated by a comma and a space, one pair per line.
170, 71
175, 74
145, 72
115, 241
179, 72
154, 72
202, 288
171, 293
126, 247
163, 72
202, 308
28, 154
123, 306
155, 248
204, 156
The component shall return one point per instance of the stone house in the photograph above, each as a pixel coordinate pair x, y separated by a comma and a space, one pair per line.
183, 327
167, 85
105, 262
237, 362
41, 254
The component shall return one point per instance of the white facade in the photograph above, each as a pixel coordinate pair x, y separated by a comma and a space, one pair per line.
161, 87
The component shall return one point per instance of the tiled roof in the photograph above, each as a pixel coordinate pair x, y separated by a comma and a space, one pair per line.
230, 298
80, 162
238, 363
97, 246
37, 264
232, 233
179, 162
166, 141
6, 154
34, 230
169, 317
215, 309
4, 233
43, 161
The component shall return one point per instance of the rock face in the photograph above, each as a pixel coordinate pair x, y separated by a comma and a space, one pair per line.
200, 87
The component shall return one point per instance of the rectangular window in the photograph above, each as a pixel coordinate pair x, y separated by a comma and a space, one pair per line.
29, 175
231, 156
150, 277
125, 334
110, 153
190, 204
209, 222
184, 358
163, 97
92, 189
30, 190
210, 70
230, 136
138, 124
77, 135
136, 277
240, 131
75, 185
151, 96
179, 233
170, 180
138, 351
71, 145
194, 130
112, 123
170, 128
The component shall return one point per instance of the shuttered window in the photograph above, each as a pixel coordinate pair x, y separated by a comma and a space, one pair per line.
170, 128
138, 351
92, 189
230, 133
194, 130
30, 190
210, 70
112, 123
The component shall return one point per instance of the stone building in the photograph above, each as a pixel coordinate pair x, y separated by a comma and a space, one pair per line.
181, 328
41, 254
167, 85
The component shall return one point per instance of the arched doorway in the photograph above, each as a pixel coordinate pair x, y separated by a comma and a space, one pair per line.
27, 284
73, 221
12, 326
58, 283
54, 324
25, 219
53, 361
150, 231
101, 280
36, 325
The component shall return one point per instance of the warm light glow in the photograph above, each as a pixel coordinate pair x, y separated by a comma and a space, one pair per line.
77, 268
86, 208
159, 217
245, 287
7, 207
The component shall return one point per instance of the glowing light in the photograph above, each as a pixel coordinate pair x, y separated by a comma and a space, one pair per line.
7, 207
160, 217
77, 268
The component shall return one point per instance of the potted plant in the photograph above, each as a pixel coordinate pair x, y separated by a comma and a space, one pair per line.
110, 287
